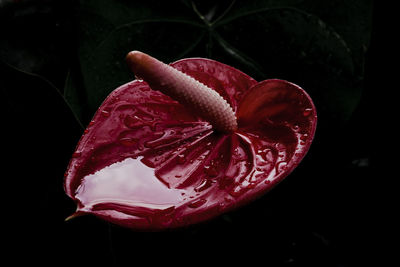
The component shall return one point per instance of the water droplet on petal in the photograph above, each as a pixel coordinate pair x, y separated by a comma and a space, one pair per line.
266, 154
238, 95
181, 159
295, 128
251, 185
281, 166
307, 112
236, 191
197, 203
131, 121
148, 117
211, 170
128, 141
206, 183
105, 113
76, 154
304, 137
157, 141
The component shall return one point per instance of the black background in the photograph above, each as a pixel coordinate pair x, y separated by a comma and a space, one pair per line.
328, 212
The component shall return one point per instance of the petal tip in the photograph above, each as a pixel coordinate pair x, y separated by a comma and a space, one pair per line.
74, 215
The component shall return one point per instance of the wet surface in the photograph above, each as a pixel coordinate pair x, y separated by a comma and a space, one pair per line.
144, 154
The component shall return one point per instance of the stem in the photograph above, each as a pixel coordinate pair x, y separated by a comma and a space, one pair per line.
191, 93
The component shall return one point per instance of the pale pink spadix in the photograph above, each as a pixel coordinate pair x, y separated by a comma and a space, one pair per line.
203, 100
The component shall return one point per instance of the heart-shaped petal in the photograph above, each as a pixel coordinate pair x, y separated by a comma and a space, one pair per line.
146, 162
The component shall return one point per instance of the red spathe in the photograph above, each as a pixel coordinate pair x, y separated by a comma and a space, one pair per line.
147, 162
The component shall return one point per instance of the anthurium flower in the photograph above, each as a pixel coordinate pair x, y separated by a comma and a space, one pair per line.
186, 142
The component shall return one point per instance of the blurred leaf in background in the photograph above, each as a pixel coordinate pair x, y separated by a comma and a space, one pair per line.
266, 39
320, 46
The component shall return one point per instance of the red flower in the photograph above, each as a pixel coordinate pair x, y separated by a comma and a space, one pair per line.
148, 162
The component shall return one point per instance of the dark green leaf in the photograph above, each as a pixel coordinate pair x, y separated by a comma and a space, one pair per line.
108, 33
262, 38
351, 19
240, 57
290, 44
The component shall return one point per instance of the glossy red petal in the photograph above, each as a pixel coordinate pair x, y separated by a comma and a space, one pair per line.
146, 162
279, 118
